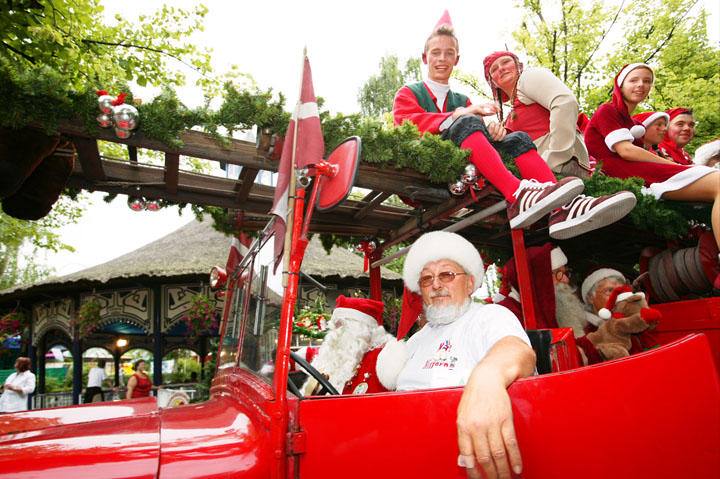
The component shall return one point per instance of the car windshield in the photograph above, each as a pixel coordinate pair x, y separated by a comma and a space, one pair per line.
251, 329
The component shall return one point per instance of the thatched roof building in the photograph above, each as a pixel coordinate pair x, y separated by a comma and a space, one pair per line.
186, 254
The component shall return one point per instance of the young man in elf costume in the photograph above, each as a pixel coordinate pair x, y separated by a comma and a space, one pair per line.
434, 108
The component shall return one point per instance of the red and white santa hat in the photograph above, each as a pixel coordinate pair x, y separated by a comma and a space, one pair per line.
595, 276
621, 293
557, 258
362, 309
438, 245
647, 118
617, 98
706, 151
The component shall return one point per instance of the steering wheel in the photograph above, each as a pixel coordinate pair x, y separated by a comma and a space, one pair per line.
327, 388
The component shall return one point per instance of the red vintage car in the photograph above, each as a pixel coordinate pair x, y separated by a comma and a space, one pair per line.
651, 415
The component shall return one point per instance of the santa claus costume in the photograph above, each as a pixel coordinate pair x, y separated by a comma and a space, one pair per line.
668, 147
542, 260
357, 355
612, 124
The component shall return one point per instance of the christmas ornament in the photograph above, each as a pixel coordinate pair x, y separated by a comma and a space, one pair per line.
125, 117
469, 176
123, 133
104, 120
458, 188
105, 102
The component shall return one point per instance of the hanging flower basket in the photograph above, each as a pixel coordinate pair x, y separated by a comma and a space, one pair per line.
13, 324
201, 317
86, 320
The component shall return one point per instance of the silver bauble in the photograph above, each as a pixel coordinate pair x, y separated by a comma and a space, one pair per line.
123, 133
105, 104
125, 117
457, 188
104, 120
469, 176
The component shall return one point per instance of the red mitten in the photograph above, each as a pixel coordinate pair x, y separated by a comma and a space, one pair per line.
651, 316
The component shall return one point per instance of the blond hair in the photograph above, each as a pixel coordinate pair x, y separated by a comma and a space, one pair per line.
443, 29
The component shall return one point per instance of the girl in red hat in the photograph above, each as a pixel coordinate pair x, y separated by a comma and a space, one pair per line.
615, 139
543, 107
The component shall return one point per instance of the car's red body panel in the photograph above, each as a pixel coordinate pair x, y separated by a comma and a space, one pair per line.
619, 419
111, 440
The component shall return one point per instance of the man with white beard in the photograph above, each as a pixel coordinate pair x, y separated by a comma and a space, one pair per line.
466, 343
357, 355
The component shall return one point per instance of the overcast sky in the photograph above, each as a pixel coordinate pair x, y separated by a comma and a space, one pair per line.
345, 42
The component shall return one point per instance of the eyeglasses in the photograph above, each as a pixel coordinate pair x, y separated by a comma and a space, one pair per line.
606, 291
559, 273
444, 277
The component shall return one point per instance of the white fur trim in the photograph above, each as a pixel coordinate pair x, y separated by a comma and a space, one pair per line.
637, 131
676, 182
656, 116
605, 314
390, 363
349, 313
438, 245
557, 258
625, 71
624, 296
616, 136
706, 151
595, 277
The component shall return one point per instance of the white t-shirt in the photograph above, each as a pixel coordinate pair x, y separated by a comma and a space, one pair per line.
12, 401
96, 376
444, 355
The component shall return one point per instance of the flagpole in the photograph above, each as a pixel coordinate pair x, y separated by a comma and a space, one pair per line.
292, 184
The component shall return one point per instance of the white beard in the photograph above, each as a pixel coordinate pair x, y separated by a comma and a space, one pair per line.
569, 310
344, 348
445, 314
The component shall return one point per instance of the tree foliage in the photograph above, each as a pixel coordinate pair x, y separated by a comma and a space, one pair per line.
23, 240
377, 94
53, 56
68, 37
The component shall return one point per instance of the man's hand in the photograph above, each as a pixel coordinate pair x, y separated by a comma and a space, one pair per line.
485, 428
486, 435
497, 131
481, 109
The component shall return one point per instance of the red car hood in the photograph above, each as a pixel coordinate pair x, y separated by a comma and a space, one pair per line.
109, 440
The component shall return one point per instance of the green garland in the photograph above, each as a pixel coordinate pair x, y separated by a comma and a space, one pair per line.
41, 96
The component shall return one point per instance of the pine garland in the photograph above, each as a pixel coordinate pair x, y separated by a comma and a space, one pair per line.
41, 96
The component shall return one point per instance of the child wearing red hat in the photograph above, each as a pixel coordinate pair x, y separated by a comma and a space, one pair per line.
655, 123
680, 132
541, 106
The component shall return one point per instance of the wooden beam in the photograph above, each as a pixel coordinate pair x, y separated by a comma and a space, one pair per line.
172, 167
247, 179
371, 206
89, 155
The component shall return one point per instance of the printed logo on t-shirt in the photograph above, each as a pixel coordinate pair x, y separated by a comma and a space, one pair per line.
442, 357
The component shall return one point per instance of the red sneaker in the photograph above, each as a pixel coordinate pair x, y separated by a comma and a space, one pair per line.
586, 213
534, 200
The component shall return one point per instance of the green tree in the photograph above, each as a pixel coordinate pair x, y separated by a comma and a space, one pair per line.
377, 94
68, 37
53, 55
22, 240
